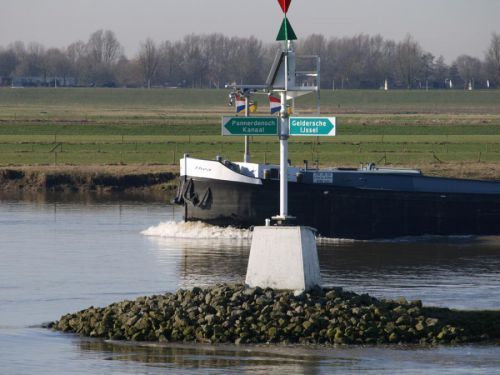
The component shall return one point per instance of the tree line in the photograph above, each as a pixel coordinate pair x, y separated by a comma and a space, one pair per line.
211, 61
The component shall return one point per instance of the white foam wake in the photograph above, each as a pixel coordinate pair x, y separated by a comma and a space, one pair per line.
334, 241
200, 230
195, 229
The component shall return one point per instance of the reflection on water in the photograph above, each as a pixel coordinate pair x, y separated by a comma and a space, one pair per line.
85, 197
222, 359
458, 274
61, 256
268, 359
204, 262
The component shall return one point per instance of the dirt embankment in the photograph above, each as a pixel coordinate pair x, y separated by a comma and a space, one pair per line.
100, 179
161, 180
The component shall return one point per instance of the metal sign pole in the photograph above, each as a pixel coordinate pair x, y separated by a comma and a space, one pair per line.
318, 84
284, 134
246, 156
283, 159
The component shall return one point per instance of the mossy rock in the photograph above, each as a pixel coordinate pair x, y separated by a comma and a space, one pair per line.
235, 314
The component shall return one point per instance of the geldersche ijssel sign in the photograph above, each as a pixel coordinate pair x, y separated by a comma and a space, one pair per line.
313, 126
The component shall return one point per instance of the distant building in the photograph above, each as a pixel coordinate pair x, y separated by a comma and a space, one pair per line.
5, 81
40, 81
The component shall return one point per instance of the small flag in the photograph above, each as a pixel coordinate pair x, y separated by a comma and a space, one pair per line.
275, 104
240, 104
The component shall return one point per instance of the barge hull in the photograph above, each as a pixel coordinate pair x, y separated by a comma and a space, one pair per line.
343, 212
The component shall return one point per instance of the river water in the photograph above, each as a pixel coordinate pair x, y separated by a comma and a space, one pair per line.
62, 256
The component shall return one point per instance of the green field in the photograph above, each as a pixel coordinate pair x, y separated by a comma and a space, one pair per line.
133, 126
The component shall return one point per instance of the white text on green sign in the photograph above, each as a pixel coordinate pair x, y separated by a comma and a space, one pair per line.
313, 126
249, 126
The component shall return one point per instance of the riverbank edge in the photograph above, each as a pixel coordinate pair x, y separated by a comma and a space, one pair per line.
155, 182
151, 180
235, 314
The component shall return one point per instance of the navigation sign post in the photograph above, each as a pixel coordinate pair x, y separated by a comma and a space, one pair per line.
313, 126
249, 126
284, 256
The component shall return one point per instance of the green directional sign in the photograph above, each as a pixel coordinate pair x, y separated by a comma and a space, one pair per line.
249, 126
313, 126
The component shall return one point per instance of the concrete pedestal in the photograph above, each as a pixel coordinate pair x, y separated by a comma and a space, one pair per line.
283, 258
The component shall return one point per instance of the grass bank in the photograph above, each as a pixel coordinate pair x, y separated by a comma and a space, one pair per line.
455, 132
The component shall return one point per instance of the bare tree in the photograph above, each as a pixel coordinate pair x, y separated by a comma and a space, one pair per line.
149, 59
194, 62
103, 50
440, 73
348, 60
469, 68
171, 69
33, 62
314, 44
217, 48
58, 64
493, 58
18, 48
246, 60
103, 47
426, 69
409, 59
78, 59
360, 61
95, 46
389, 57
128, 73
8, 62
373, 74
112, 48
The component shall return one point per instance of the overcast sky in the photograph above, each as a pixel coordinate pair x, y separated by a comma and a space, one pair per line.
447, 27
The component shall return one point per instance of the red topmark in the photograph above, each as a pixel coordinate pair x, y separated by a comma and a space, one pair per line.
285, 4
